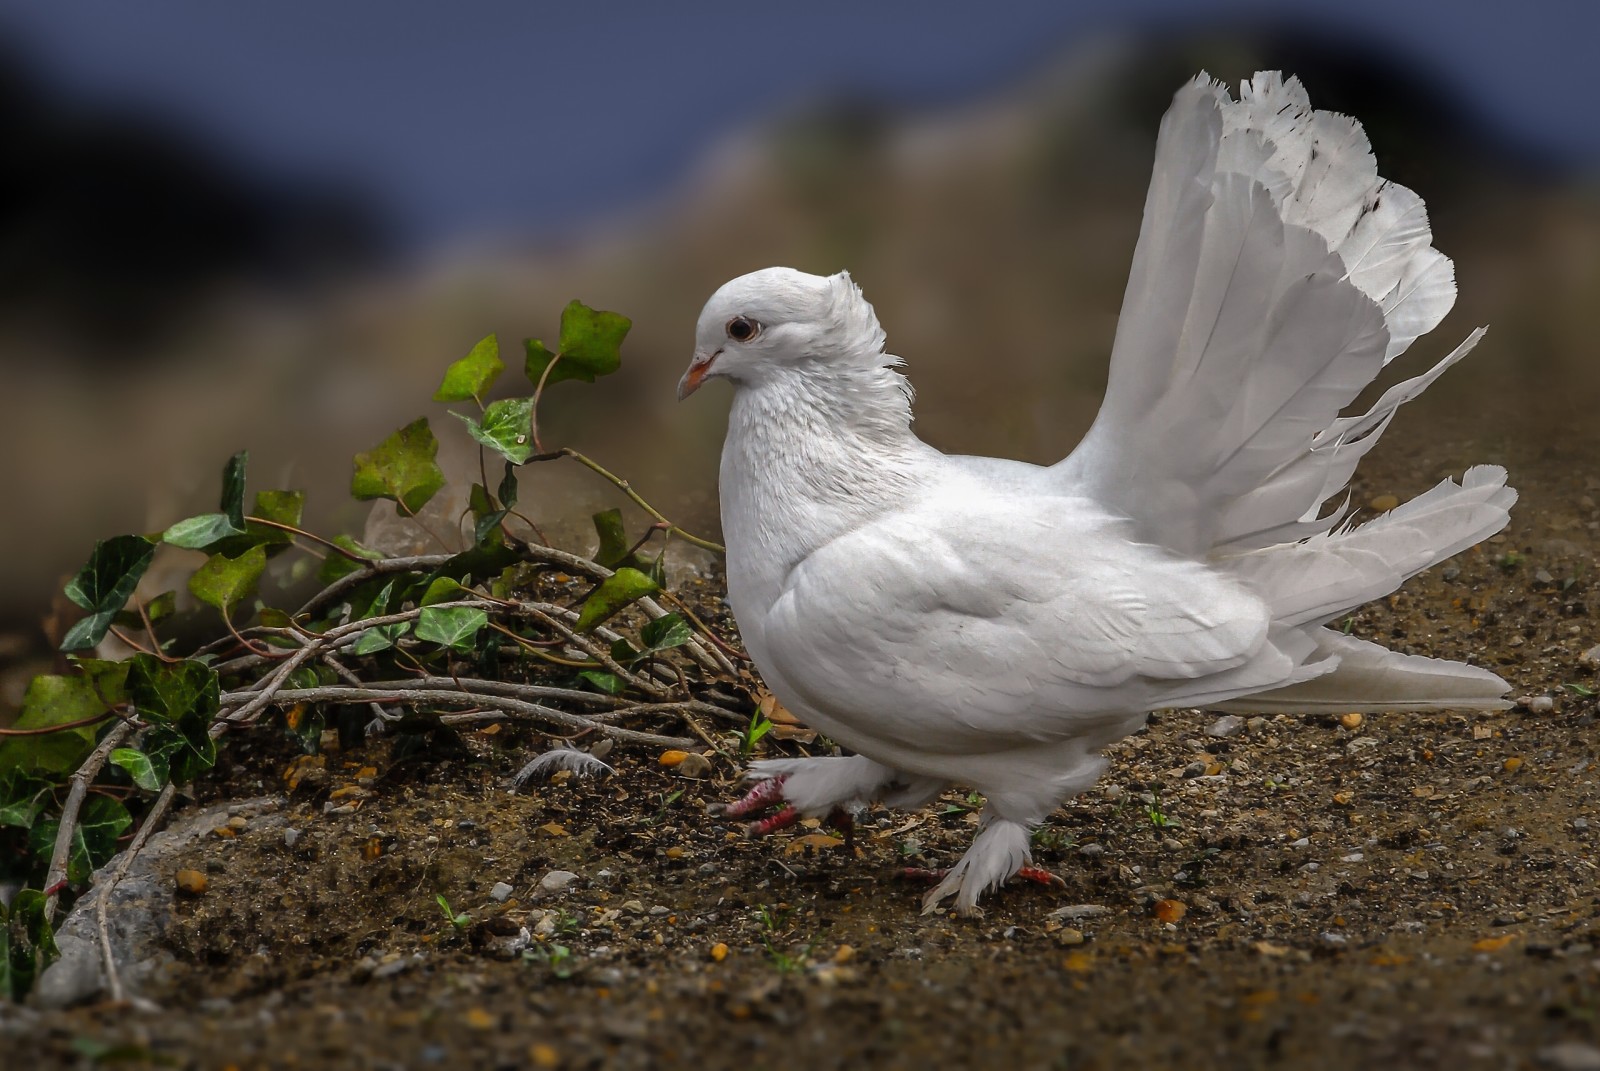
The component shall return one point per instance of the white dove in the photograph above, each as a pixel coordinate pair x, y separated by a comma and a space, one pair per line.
994, 623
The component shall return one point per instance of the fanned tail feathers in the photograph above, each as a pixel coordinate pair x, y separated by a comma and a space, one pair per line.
1276, 275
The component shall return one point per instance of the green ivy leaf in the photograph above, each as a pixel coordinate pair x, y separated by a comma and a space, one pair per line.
613, 549
455, 626
609, 683
284, 507
472, 375
181, 700
622, 587
161, 606
101, 821
665, 633
94, 840
103, 586
486, 515
51, 701
275, 618
182, 752
232, 503
443, 589
590, 346
592, 339
139, 767
22, 800
335, 566
477, 564
505, 428
508, 486
27, 942
378, 638
223, 582
200, 532
172, 692
400, 468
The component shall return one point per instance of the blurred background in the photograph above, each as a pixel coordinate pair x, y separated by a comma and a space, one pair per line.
270, 227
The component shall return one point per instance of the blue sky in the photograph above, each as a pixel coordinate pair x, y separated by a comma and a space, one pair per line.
476, 117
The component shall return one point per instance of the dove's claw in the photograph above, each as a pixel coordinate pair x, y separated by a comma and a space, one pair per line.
922, 873
1042, 877
845, 823
759, 798
773, 822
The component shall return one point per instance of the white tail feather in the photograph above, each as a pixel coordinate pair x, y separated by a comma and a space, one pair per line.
1374, 680
1332, 573
1276, 275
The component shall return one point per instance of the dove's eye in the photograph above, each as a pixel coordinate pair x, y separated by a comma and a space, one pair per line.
743, 329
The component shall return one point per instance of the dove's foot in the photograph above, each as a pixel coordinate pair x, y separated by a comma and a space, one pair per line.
1040, 877
932, 875
782, 819
770, 793
763, 795
999, 852
817, 786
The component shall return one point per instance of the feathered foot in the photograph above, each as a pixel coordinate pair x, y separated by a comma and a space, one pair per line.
932, 875
999, 852
763, 795
769, 793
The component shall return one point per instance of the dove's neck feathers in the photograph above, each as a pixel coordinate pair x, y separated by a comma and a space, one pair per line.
812, 452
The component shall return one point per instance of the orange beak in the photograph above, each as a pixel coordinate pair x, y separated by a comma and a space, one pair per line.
699, 368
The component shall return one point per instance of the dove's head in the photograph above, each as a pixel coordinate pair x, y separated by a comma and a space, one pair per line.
760, 324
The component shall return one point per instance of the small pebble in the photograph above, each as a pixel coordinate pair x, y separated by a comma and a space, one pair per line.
1068, 936
557, 881
1591, 657
693, 765
398, 965
1580, 824
1092, 851
291, 837
632, 907
192, 882
1570, 1056
1542, 704
1225, 727
1350, 721
501, 892
1079, 911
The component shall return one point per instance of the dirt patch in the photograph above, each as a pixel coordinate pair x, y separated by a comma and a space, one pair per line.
1402, 890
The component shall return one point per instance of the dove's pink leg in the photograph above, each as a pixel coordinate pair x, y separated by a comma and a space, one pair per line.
773, 822
763, 795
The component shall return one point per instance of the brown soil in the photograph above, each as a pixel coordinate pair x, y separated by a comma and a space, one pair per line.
1395, 891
